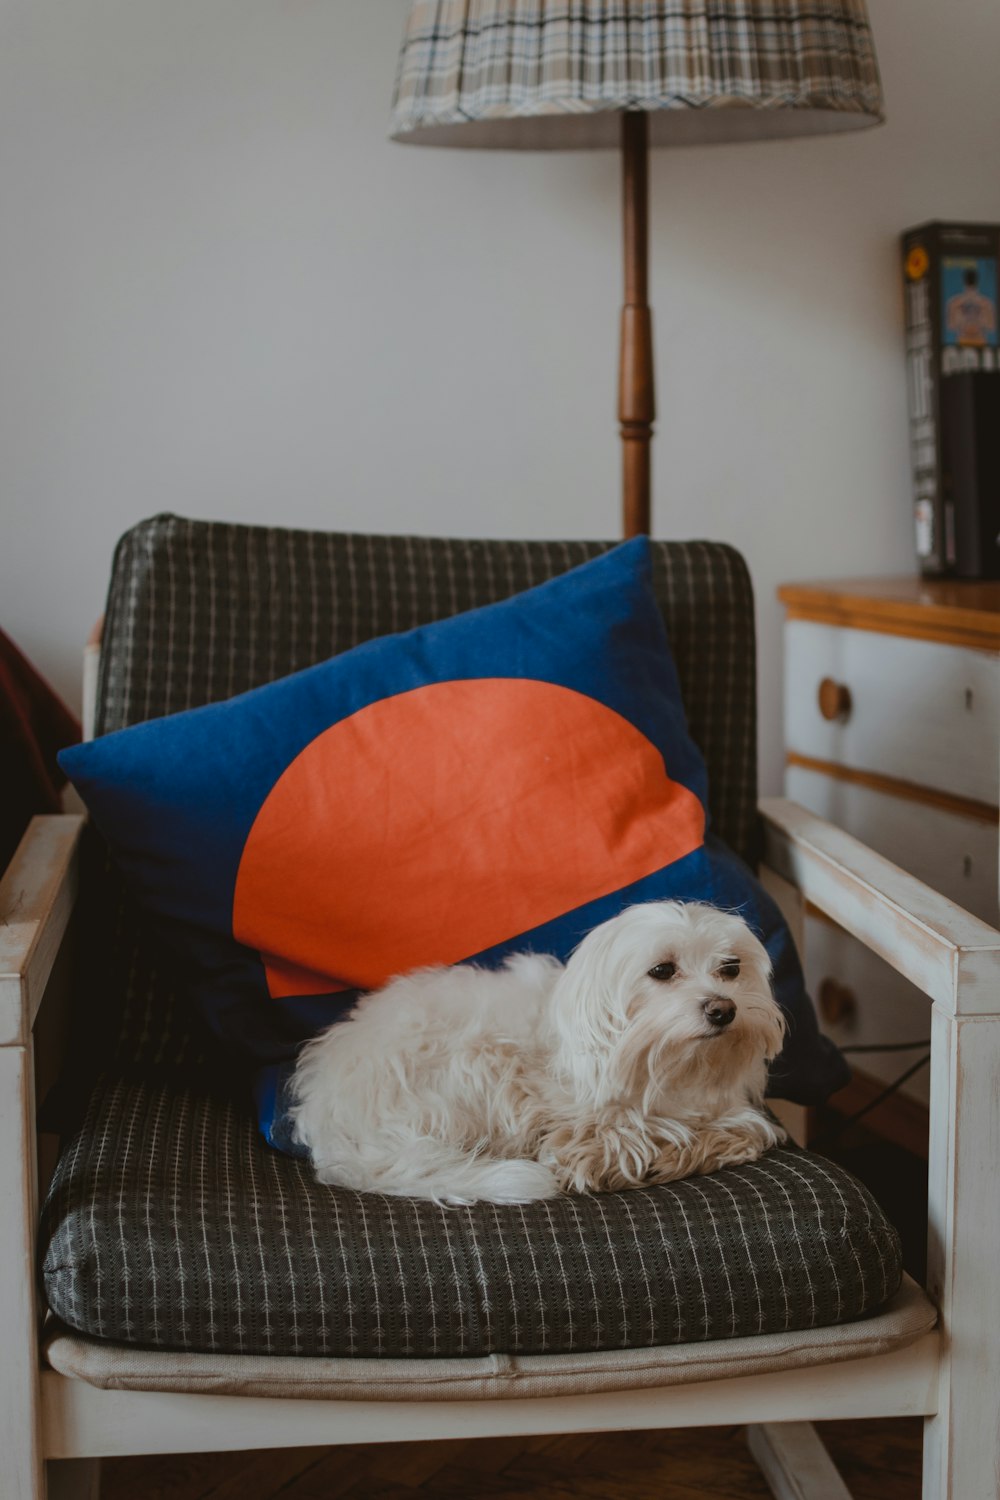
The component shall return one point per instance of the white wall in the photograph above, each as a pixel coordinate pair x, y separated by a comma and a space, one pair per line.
225, 293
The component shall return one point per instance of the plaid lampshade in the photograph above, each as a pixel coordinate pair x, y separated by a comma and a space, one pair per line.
556, 74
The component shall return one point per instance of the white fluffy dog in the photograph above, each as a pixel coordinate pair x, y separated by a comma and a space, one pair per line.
641, 1061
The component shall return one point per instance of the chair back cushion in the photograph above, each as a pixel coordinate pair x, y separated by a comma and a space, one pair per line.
199, 611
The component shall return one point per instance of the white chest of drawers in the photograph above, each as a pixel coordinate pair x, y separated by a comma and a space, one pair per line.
892, 731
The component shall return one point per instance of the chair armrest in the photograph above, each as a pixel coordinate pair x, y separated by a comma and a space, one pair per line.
37, 894
949, 954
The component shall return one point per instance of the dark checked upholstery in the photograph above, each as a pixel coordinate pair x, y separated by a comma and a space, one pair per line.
169, 1222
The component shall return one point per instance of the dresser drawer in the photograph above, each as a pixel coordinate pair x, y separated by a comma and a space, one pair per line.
953, 854
917, 710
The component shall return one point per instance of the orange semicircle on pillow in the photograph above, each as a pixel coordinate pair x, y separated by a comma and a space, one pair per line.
435, 824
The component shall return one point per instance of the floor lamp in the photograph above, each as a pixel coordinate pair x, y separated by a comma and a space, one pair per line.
564, 74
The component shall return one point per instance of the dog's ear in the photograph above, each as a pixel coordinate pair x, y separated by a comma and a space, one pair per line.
759, 955
590, 1007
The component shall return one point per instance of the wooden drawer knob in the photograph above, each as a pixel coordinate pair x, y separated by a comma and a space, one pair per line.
836, 1002
834, 699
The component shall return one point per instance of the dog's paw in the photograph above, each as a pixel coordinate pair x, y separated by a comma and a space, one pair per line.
732, 1154
598, 1156
717, 1148
669, 1165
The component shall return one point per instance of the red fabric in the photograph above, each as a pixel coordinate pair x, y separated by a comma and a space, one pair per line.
576, 802
34, 726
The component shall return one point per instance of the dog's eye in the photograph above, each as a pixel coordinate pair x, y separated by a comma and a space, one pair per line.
663, 971
730, 969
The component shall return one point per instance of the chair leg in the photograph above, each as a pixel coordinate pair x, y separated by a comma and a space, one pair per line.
792, 1459
962, 1441
73, 1479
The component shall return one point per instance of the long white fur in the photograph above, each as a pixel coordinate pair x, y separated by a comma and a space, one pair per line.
464, 1084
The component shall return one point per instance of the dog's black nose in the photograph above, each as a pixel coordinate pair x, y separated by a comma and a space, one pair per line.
719, 1011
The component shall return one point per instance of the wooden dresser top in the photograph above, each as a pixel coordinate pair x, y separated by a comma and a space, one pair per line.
950, 610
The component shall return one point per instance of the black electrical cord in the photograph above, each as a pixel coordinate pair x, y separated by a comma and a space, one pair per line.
888, 1046
897, 1083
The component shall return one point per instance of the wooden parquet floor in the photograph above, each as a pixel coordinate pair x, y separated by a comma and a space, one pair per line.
879, 1460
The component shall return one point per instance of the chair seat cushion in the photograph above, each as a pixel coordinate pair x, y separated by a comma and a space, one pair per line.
904, 1319
171, 1224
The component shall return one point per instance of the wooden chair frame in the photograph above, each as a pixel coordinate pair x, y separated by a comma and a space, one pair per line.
53, 1430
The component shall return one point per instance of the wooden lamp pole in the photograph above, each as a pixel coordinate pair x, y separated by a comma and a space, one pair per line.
636, 401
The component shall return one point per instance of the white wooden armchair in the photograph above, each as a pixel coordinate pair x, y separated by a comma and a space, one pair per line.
65, 1402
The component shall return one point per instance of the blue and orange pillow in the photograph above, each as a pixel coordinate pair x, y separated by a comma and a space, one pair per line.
498, 781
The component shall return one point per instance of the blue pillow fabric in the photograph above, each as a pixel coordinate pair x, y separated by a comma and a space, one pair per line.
492, 783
